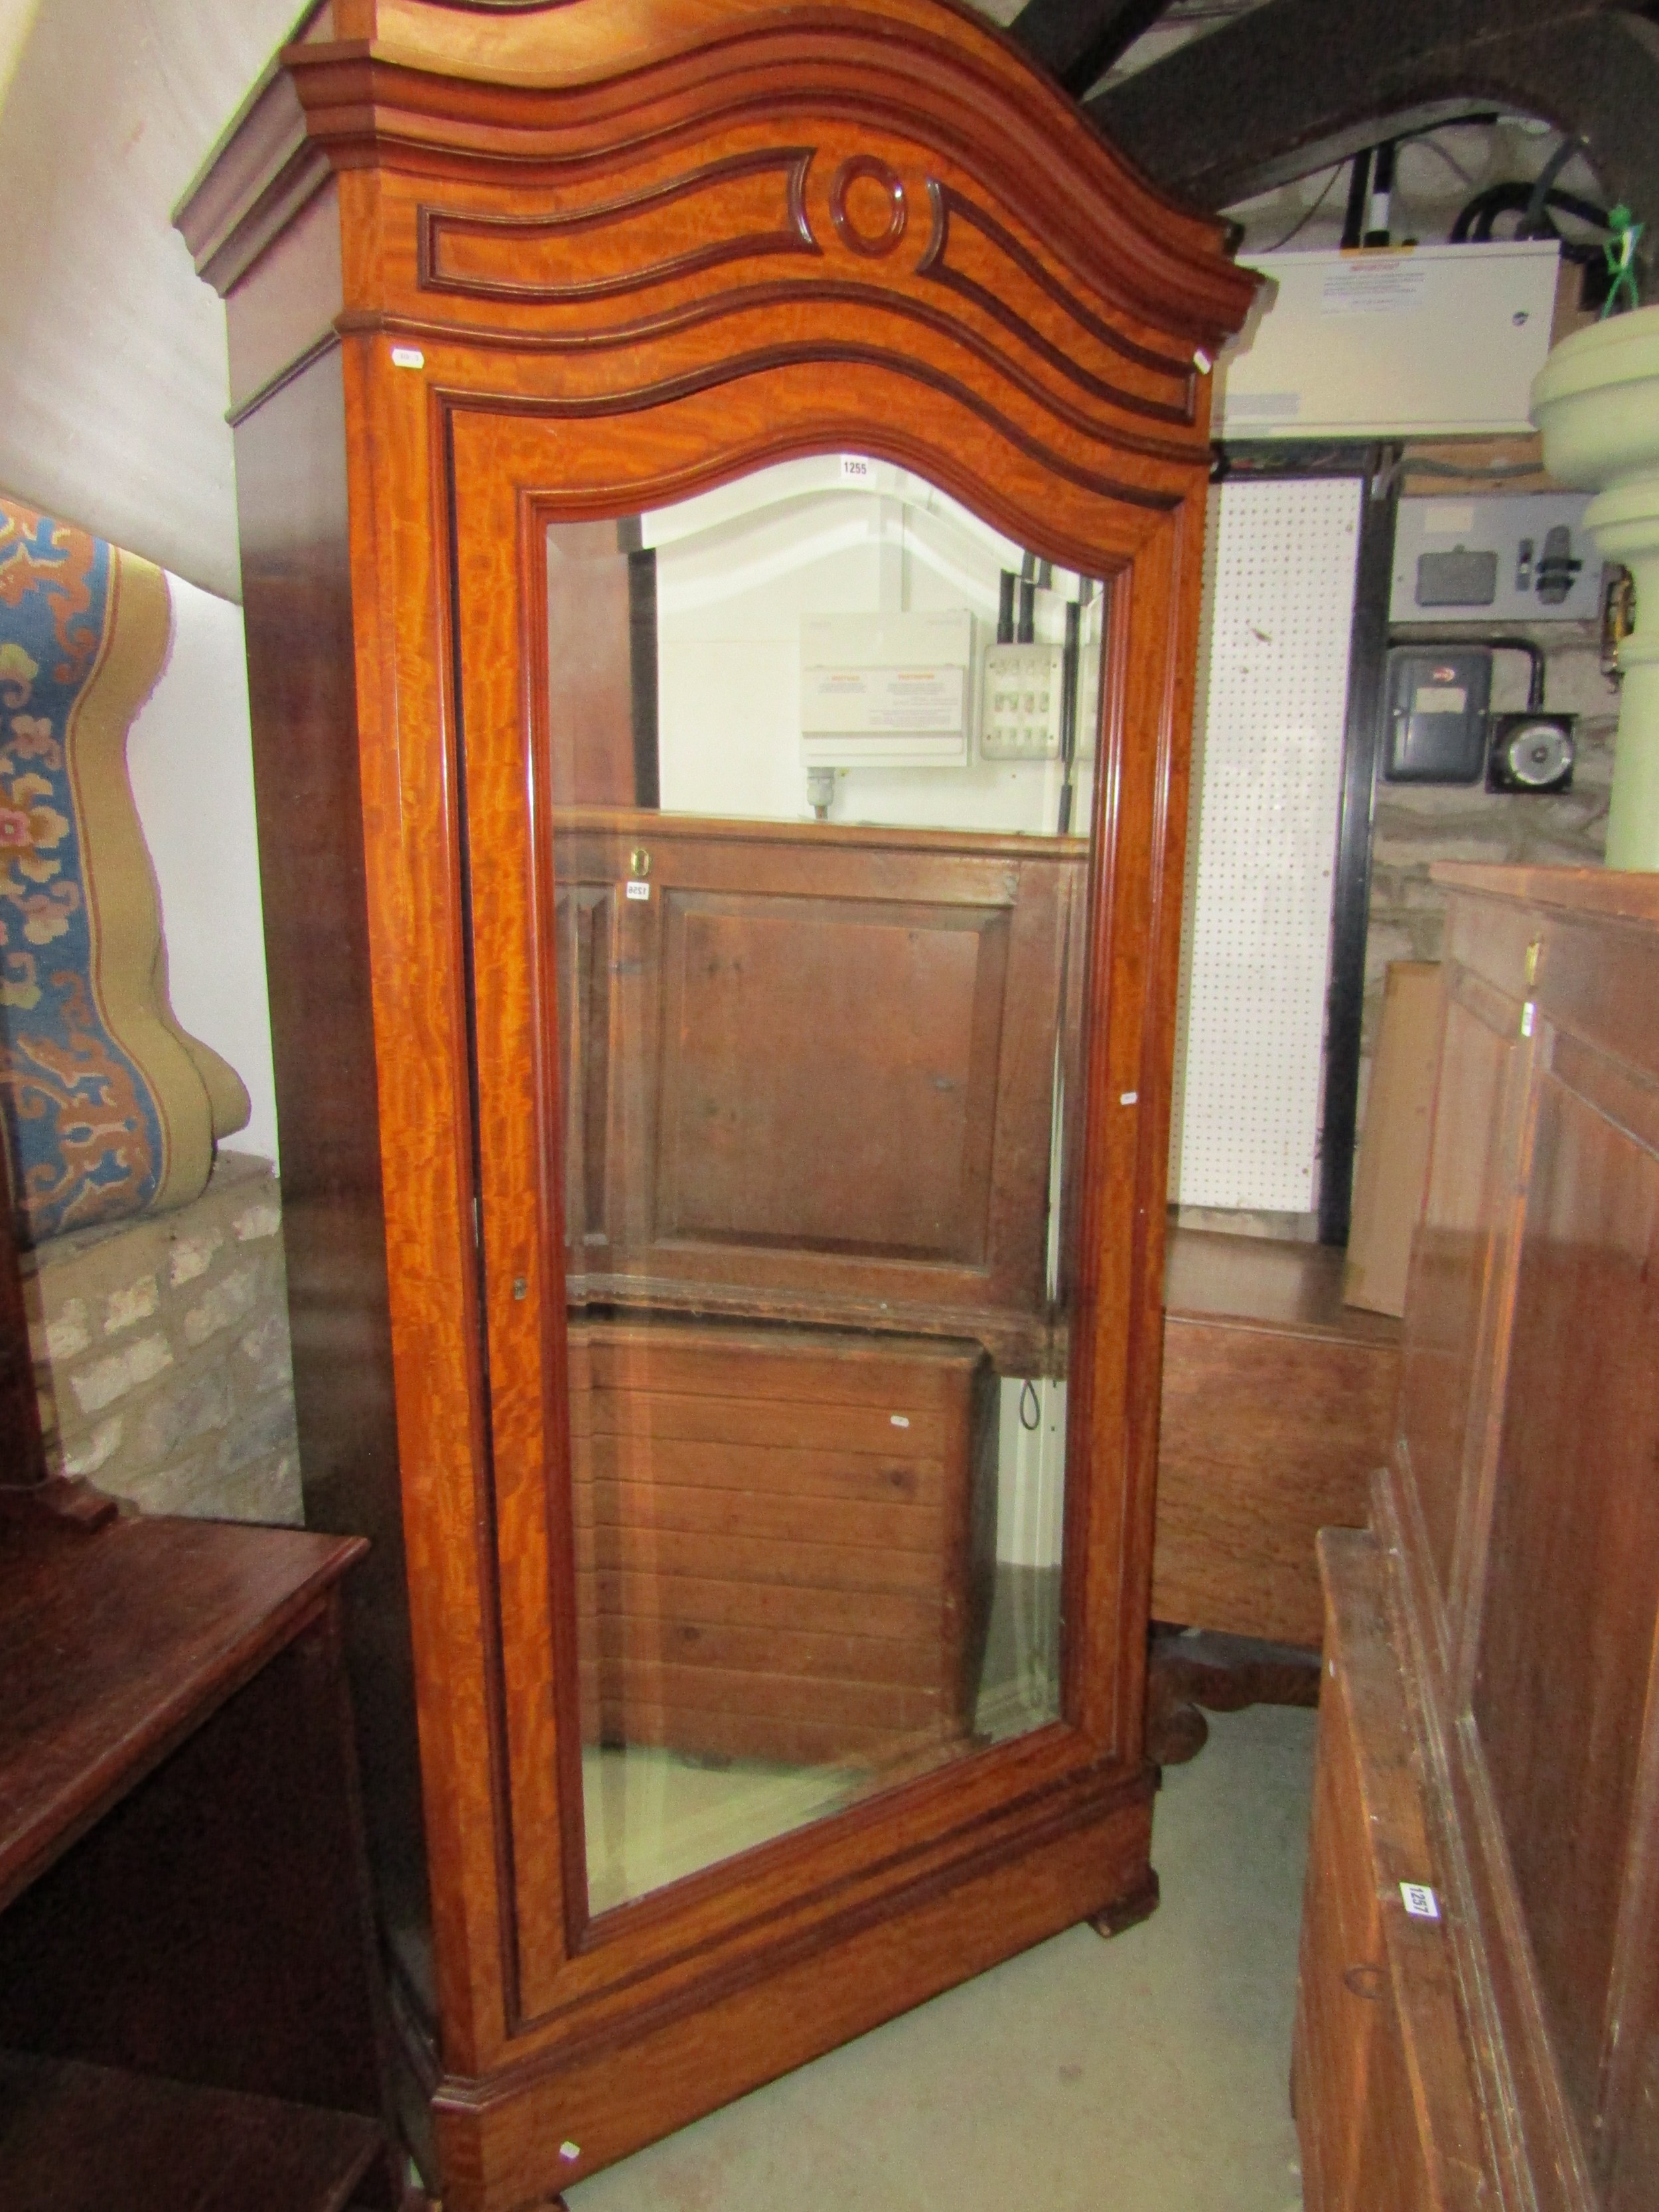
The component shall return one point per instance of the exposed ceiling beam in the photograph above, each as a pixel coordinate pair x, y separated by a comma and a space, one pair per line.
1077, 41
1295, 84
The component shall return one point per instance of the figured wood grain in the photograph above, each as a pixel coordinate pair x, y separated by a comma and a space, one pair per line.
681, 2063
745, 206
670, 376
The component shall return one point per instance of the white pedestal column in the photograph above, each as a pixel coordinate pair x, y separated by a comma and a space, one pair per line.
1596, 402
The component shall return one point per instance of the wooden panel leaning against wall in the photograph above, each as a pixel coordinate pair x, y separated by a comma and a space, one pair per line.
1505, 1610
477, 300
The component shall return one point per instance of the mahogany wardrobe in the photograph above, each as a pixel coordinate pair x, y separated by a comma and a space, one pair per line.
722, 492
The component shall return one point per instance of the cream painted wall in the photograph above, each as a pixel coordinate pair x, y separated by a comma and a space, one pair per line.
16, 20
190, 758
114, 385
738, 569
113, 380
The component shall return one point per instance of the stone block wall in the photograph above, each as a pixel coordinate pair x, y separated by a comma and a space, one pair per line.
1415, 825
161, 1353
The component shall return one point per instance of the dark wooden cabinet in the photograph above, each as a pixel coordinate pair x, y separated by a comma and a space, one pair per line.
495, 273
737, 1049
189, 2006
1505, 1610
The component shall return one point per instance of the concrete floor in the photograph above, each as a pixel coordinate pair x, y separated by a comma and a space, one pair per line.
1146, 2074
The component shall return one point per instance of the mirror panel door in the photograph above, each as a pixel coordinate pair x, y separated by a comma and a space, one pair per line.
819, 914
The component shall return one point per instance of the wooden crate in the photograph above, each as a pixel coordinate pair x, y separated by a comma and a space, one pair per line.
785, 1538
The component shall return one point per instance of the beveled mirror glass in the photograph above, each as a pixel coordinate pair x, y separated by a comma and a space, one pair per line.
822, 747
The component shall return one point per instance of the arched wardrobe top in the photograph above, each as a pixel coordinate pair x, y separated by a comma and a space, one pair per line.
503, 282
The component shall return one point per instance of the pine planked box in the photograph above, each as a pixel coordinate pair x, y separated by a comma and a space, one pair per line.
784, 1538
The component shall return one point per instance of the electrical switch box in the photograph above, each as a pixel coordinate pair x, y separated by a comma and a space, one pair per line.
1526, 557
1407, 342
885, 691
1020, 718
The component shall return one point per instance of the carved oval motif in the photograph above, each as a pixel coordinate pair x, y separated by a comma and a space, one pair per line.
856, 170
1365, 1981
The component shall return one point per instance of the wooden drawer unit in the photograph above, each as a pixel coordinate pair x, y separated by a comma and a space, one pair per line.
785, 1539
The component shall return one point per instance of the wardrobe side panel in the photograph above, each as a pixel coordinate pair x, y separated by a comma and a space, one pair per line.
291, 485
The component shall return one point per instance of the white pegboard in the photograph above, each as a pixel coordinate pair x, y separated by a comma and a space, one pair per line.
1279, 608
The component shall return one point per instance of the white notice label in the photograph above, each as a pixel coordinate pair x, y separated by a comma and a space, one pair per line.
1439, 699
638, 888
873, 699
1419, 1901
1372, 284
854, 469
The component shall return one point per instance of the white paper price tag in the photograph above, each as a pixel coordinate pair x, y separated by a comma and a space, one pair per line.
1419, 1901
638, 888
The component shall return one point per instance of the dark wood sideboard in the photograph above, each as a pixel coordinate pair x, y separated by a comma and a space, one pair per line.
189, 1997
1490, 1730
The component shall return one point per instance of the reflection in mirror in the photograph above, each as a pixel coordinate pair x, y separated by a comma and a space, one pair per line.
821, 743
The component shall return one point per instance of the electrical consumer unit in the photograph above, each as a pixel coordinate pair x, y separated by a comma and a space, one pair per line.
1022, 692
886, 690
1525, 557
1422, 341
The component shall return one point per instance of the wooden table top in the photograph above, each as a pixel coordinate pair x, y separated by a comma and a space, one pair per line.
1211, 1274
115, 1646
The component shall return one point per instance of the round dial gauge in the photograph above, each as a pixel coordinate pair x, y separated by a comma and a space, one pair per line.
1538, 753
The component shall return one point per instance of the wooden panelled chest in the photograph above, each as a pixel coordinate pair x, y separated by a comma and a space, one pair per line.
785, 1539
1491, 1689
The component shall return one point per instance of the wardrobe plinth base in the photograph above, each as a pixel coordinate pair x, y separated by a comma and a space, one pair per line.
501, 2137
